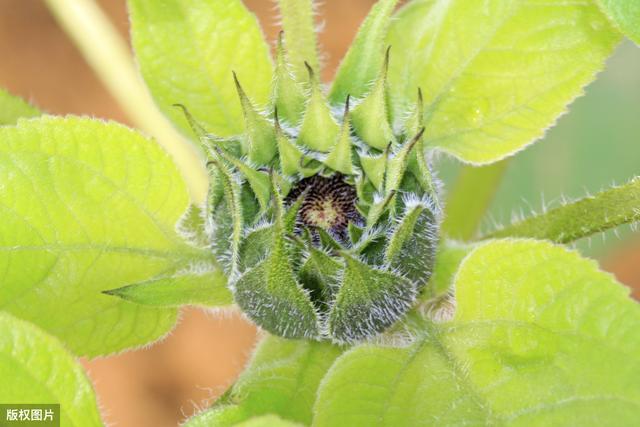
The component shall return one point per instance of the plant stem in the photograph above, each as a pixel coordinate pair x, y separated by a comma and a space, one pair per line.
470, 197
573, 221
110, 57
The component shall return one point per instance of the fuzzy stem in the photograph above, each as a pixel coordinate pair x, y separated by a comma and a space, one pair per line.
470, 197
573, 221
110, 57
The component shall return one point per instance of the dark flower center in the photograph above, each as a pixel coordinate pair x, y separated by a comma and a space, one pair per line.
329, 203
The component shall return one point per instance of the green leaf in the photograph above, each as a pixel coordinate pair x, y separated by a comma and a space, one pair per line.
187, 50
87, 206
300, 35
12, 108
365, 57
448, 258
218, 416
200, 284
470, 197
625, 15
281, 379
494, 73
36, 368
540, 337
268, 421
605, 210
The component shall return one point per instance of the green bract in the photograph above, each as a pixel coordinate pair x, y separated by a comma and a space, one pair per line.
324, 219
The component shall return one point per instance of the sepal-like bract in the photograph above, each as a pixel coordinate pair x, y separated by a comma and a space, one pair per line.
370, 300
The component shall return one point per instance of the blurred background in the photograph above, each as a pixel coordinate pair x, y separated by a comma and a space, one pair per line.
594, 146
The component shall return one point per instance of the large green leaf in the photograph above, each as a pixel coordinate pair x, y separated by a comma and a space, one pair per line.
281, 379
625, 14
87, 206
12, 108
469, 197
540, 337
365, 57
36, 368
187, 51
494, 73
217, 418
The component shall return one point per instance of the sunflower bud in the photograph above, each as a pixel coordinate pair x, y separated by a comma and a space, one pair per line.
325, 219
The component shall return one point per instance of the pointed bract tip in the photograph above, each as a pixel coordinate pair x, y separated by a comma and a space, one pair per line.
385, 64
346, 106
280, 46
312, 74
419, 134
196, 127
415, 139
238, 85
276, 118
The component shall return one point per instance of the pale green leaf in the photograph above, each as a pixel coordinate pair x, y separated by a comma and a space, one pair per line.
300, 35
469, 198
268, 421
12, 108
494, 73
540, 337
187, 51
448, 258
87, 206
36, 368
365, 57
201, 284
605, 210
281, 379
227, 416
625, 14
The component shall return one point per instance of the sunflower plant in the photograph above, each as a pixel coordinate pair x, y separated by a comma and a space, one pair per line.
316, 211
